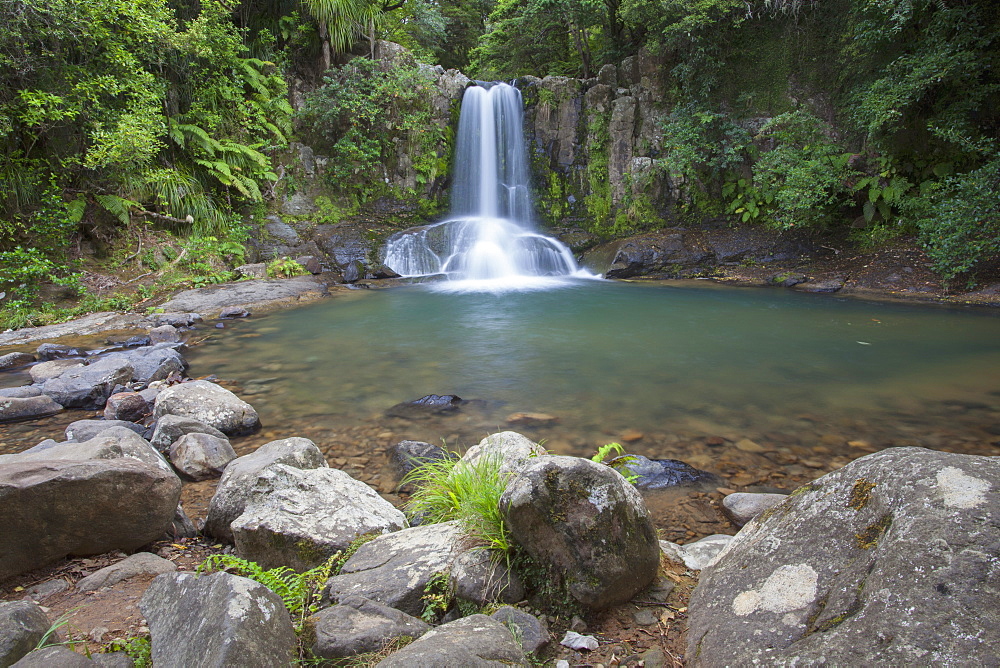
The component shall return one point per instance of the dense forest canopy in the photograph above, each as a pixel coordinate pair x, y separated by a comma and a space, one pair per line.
879, 116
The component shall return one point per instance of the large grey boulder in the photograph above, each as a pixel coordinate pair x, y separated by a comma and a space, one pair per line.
21, 392
300, 518
84, 430
201, 456
112, 443
394, 569
89, 386
230, 497
510, 449
151, 363
171, 427
22, 625
357, 625
209, 403
55, 655
530, 631
588, 522
26, 408
216, 620
140, 563
476, 641
889, 560
50, 509
44, 371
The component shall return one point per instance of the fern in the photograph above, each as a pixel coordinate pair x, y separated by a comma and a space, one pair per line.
619, 463
119, 207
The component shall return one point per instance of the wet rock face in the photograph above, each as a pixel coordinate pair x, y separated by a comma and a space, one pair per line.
588, 522
886, 560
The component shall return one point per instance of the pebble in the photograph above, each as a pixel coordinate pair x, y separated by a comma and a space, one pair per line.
746, 445
644, 617
632, 435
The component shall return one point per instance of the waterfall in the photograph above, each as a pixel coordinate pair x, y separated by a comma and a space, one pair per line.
490, 238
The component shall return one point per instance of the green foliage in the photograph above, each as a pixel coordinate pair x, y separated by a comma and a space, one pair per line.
285, 267
363, 117
619, 463
437, 597
959, 221
139, 649
803, 176
454, 489
300, 592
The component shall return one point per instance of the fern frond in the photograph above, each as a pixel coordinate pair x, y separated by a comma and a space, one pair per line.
119, 207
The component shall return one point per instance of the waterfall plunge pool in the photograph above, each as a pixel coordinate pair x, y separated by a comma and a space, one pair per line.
764, 386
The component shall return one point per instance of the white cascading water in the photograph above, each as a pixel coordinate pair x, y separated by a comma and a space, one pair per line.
489, 242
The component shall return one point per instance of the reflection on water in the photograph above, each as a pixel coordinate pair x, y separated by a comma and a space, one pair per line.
670, 362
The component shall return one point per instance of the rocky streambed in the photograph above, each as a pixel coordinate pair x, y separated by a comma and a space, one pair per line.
882, 558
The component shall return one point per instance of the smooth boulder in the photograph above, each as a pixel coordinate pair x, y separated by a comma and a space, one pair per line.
216, 620
201, 456
588, 522
22, 625
27, 408
300, 518
357, 625
889, 560
127, 406
231, 494
111, 443
394, 569
209, 403
171, 427
476, 641
88, 387
140, 563
51, 509
84, 430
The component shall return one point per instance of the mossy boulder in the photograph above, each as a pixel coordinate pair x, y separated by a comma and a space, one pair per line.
587, 522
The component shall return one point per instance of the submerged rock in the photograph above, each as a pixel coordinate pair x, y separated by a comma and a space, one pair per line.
425, 407
660, 473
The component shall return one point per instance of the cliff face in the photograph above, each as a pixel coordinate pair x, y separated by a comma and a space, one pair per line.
594, 145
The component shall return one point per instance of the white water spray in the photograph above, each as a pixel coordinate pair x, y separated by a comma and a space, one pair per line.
489, 242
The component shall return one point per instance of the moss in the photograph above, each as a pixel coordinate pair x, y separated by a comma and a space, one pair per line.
869, 538
861, 494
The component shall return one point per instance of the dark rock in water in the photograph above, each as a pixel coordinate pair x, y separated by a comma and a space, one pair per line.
655, 253
382, 271
408, 455
14, 360
425, 407
136, 341
234, 312
54, 351
27, 408
824, 286
660, 473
